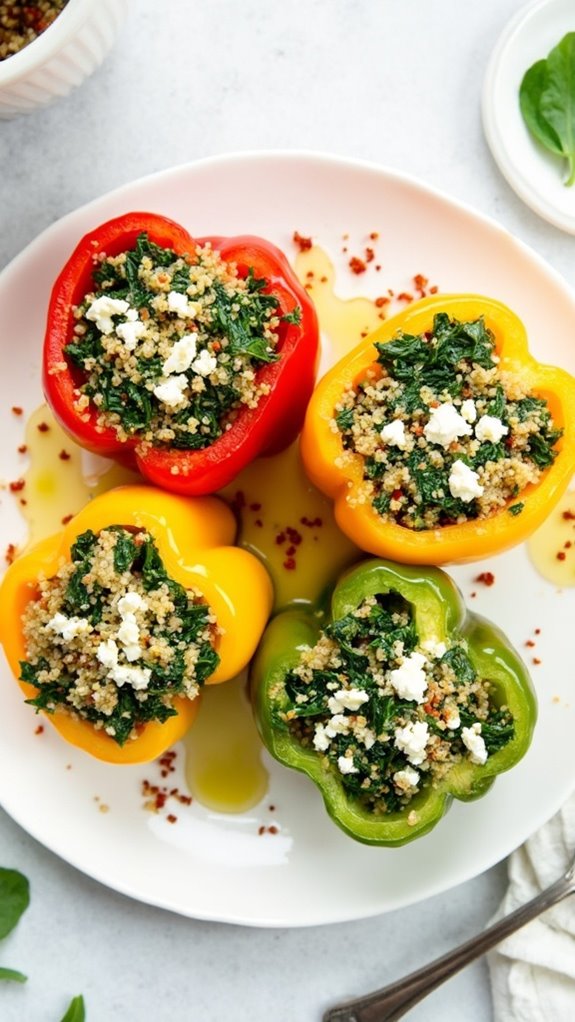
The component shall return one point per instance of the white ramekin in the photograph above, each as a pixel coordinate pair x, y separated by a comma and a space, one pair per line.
61, 57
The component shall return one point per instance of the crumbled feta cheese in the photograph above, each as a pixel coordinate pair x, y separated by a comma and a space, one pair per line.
434, 647
102, 309
412, 740
205, 363
408, 778
181, 304
409, 679
171, 391
182, 355
346, 765
132, 652
320, 739
468, 410
452, 718
337, 725
137, 677
490, 428
472, 740
130, 602
130, 332
445, 425
107, 653
347, 699
68, 627
464, 482
393, 433
128, 632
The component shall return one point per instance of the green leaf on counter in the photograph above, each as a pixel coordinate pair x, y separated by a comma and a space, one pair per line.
12, 974
547, 102
14, 899
76, 1010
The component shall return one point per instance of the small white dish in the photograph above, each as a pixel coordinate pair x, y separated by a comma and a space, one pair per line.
535, 175
60, 58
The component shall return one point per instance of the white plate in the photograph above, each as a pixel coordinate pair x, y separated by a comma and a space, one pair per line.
216, 867
535, 174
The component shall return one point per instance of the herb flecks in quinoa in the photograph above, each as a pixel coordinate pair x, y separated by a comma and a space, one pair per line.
22, 21
392, 715
112, 638
445, 434
169, 347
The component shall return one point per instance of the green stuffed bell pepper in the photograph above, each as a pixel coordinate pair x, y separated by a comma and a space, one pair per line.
395, 702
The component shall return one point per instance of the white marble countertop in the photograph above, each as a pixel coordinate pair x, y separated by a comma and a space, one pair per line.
394, 81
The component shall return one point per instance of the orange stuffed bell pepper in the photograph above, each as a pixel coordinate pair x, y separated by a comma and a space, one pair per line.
439, 437
112, 626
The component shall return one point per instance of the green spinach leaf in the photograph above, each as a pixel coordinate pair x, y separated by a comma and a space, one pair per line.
547, 102
14, 899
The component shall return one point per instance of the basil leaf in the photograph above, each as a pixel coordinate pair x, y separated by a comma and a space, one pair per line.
12, 974
547, 102
76, 1010
14, 899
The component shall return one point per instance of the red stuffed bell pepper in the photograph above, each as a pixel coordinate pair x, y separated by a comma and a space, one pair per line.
186, 358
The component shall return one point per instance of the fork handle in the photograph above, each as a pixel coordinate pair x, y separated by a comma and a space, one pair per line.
395, 1000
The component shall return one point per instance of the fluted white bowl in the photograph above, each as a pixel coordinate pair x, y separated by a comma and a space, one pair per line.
61, 57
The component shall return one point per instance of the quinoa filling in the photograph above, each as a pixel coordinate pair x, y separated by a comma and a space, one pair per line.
392, 715
169, 347
445, 435
113, 639
22, 21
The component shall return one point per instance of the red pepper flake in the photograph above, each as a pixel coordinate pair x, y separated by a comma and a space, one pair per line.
22, 501
404, 296
561, 555
216, 346
310, 274
369, 255
536, 661
433, 289
255, 507
374, 236
259, 523
16, 410
473, 595
171, 818
294, 536
261, 830
42, 427
166, 763
312, 523
381, 301
420, 283
290, 551
289, 564
323, 280
273, 829
304, 244
357, 265
272, 809
64, 456
280, 538
22, 448
569, 516
567, 545
396, 495
39, 730
537, 631
530, 643
17, 485
486, 577
66, 519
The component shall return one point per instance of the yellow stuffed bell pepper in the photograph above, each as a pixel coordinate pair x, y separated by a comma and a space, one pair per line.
439, 437
112, 626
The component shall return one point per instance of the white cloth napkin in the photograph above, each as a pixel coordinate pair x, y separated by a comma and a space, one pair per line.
533, 971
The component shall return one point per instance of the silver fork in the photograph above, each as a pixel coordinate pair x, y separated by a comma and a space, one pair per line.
398, 998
